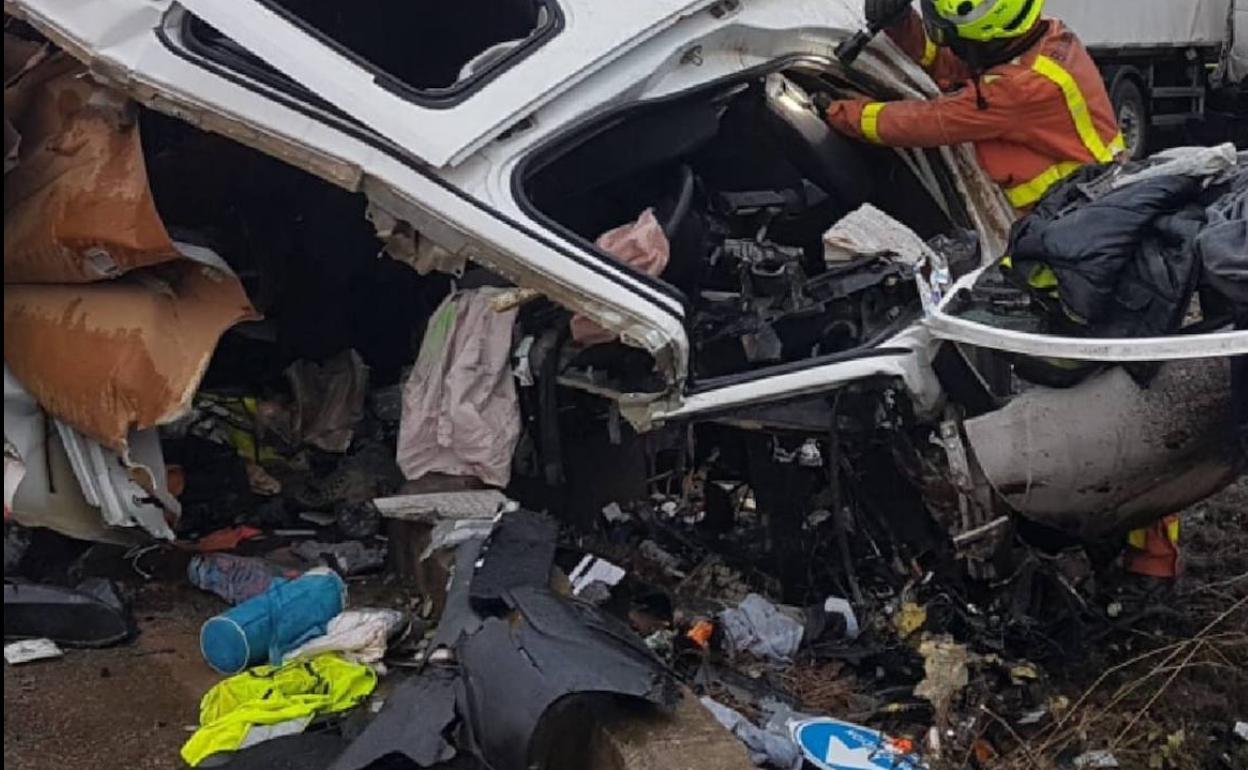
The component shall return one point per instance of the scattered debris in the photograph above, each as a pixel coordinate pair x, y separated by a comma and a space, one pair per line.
767, 748
614, 514
329, 400
430, 507
265, 627
699, 633
517, 553
909, 618
413, 723
1033, 717
350, 557
90, 615
661, 642
234, 578
945, 673
1095, 759
652, 552
319, 518
268, 702
593, 578
226, 539
16, 541
830, 744
261, 481
14, 472
300, 751
757, 626
30, 650
835, 605
424, 529
557, 650
359, 635
867, 230
520, 649
1022, 672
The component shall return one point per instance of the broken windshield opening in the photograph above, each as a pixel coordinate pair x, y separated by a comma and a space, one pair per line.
729, 195
429, 52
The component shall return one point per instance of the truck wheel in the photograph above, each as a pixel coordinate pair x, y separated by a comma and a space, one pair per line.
1132, 113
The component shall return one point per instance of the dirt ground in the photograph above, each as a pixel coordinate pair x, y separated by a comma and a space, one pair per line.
1164, 693
1165, 688
124, 708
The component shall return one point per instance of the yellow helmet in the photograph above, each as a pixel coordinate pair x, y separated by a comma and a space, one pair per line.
979, 20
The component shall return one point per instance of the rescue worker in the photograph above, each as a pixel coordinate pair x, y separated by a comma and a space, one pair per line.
1025, 92
1021, 88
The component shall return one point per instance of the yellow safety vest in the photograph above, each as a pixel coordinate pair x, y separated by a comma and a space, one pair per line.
272, 696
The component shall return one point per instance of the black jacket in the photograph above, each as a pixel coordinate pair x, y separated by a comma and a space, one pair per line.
1123, 260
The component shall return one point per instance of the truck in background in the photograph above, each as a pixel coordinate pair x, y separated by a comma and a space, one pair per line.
1172, 67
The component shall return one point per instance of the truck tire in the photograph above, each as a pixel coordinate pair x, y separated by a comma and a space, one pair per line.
1131, 110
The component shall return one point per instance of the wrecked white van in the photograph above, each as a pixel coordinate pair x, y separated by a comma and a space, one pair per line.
511, 136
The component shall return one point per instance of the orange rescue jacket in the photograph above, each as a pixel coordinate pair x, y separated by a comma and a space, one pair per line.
1035, 119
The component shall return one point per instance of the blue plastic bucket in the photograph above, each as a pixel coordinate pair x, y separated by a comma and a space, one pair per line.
265, 627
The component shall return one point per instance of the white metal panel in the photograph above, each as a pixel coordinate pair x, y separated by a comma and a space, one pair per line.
1173, 348
913, 369
107, 483
594, 34
1144, 23
1107, 454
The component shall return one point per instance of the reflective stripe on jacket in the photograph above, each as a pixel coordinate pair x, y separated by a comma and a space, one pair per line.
1042, 116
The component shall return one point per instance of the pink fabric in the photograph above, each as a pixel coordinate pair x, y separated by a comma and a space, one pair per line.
461, 415
641, 245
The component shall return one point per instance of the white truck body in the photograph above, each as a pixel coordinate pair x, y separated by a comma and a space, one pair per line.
1144, 23
1237, 56
1162, 60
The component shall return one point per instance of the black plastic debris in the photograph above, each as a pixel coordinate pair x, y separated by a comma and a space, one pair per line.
92, 615
413, 724
516, 668
305, 751
518, 552
523, 652
16, 543
458, 617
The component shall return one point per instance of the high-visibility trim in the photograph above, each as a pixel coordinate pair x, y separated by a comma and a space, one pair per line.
1138, 538
1078, 107
1172, 529
1042, 278
1027, 193
869, 124
930, 50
